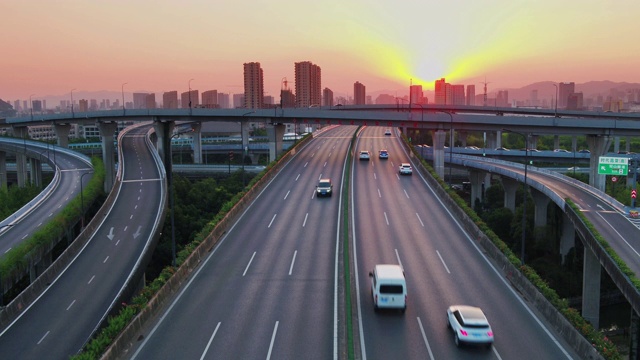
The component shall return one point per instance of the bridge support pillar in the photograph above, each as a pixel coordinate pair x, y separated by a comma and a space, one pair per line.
244, 136
598, 145
462, 137
477, 186
197, 142
35, 170
438, 152
62, 133
634, 335
556, 142
21, 158
533, 141
568, 237
492, 140
541, 202
510, 187
616, 144
106, 132
164, 130
591, 288
275, 132
3, 170
574, 144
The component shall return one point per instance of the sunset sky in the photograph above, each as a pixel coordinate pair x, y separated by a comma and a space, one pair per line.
51, 47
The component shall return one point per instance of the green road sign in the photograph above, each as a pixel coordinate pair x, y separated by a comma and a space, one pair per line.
613, 165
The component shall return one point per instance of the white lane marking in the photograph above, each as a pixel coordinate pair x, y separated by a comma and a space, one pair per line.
42, 338
105, 259
138, 198
375, 177
90, 280
325, 164
293, 261
50, 214
70, 305
24, 237
249, 264
379, 194
443, 263
305, 219
621, 237
126, 227
496, 352
59, 206
386, 218
7, 250
398, 257
273, 339
424, 337
285, 197
117, 242
273, 218
131, 217
405, 193
307, 163
420, 220
39, 225
210, 340
297, 177
330, 154
135, 207
320, 177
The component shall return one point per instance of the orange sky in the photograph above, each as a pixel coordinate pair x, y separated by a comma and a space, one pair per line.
51, 47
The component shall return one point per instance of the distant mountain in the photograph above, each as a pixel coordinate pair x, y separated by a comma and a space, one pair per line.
546, 90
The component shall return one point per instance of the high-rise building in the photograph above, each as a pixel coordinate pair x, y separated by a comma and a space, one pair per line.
210, 99
359, 94
385, 99
287, 98
502, 99
471, 95
150, 101
223, 101
457, 95
564, 90
327, 97
253, 86
170, 100
575, 101
36, 105
139, 100
308, 84
189, 99
416, 95
93, 104
441, 92
238, 100
533, 98
83, 105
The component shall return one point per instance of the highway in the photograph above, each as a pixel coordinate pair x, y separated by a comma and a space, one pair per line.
65, 187
63, 318
398, 220
268, 289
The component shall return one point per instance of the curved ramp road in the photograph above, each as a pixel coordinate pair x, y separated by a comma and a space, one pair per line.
268, 289
63, 318
65, 186
399, 220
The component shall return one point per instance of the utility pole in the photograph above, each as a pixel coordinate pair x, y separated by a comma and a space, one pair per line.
485, 90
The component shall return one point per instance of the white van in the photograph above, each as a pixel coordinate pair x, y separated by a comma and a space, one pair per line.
388, 287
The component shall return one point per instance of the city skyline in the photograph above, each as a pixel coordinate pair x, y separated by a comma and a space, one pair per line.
158, 48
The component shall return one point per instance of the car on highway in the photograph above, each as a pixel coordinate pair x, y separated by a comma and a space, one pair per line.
469, 325
584, 151
405, 169
388, 287
561, 150
387, 132
471, 147
502, 148
365, 155
383, 154
324, 188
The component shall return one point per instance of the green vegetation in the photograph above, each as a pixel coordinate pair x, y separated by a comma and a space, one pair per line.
15, 197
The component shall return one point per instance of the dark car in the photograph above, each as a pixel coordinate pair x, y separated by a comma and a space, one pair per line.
324, 188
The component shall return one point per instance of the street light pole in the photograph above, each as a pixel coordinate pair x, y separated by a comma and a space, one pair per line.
556, 106
123, 109
190, 96
526, 192
450, 145
72, 113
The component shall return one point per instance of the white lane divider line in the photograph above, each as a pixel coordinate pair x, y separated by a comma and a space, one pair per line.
90, 280
42, 338
386, 218
305, 219
443, 263
398, 257
210, 340
420, 220
249, 264
424, 337
273, 339
293, 261
273, 218
285, 197
70, 305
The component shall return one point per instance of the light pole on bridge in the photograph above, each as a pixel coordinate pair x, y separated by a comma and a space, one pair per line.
123, 109
526, 191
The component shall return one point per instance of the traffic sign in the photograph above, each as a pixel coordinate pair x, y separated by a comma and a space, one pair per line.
633, 193
614, 179
613, 165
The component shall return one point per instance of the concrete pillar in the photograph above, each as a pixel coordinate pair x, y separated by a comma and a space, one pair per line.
568, 237
3, 170
498, 139
462, 137
164, 130
541, 202
62, 133
275, 132
598, 145
197, 142
21, 157
510, 187
591, 288
244, 135
533, 141
627, 144
107, 131
438, 137
492, 141
477, 186
616, 144
574, 143
556, 141
35, 172
634, 335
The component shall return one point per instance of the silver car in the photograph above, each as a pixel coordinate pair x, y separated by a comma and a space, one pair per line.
469, 325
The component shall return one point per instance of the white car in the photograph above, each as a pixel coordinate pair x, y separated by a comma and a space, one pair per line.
405, 169
387, 132
469, 325
364, 155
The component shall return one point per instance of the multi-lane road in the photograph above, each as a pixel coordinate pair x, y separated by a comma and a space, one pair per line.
269, 289
61, 320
